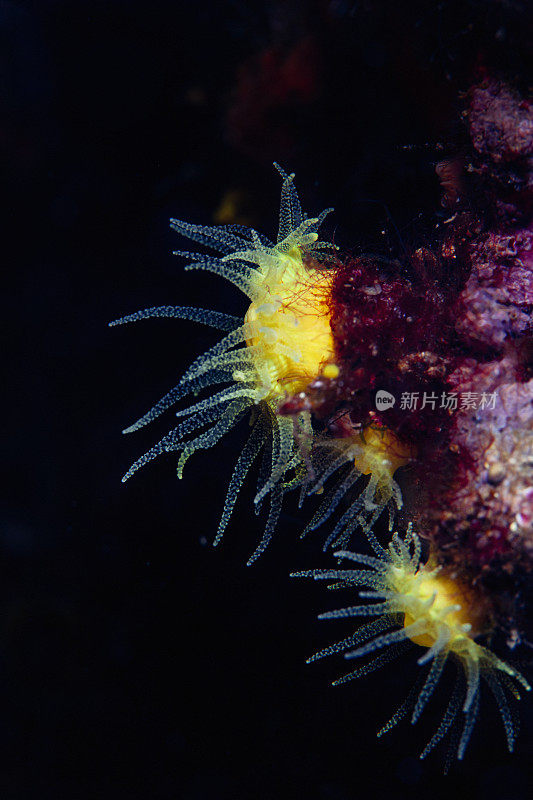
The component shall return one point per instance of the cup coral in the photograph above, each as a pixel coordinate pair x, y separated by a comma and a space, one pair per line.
374, 453
283, 342
420, 604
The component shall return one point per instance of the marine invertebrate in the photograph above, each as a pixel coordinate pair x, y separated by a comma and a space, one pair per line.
424, 606
320, 338
372, 452
283, 341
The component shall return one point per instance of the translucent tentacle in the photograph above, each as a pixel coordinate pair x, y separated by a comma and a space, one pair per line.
447, 721
376, 663
175, 394
231, 340
470, 721
230, 393
214, 237
239, 278
366, 631
409, 631
290, 212
430, 683
401, 712
373, 610
471, 668
276, 500
228, 419
503, 707
332, 501
215, 319
248, 454
283, 444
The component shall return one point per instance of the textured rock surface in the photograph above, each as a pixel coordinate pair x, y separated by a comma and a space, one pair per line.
497, 300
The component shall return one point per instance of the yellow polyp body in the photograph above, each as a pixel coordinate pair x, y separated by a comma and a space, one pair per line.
382, 453
446, 594
426, 606
290, 320
375, 452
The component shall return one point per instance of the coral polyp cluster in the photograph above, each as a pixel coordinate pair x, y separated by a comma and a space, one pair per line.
420, 604
400, 392
284, 340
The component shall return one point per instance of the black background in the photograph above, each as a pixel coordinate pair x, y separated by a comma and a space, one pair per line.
135, 660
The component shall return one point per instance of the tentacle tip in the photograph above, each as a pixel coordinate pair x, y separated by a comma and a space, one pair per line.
255, 555
352, 654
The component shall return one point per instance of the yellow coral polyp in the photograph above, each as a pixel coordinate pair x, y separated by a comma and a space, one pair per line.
442, 604
382, 453
290, 323
277, 348
374, 451
415, 604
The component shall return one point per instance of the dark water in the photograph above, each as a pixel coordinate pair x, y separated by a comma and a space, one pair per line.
136, 662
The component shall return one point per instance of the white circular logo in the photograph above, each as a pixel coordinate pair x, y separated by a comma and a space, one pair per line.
384, 400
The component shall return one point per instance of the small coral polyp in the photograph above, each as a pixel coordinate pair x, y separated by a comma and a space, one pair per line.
283, 342
428, 608
373, 451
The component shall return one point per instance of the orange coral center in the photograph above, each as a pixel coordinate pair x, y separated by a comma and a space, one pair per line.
447, 593
381, 445
291, 326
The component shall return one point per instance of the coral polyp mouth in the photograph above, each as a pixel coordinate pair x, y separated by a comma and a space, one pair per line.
448, 608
